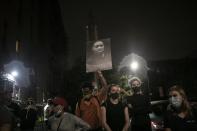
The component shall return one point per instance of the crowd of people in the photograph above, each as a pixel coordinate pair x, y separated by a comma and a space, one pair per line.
103, 110
14, 117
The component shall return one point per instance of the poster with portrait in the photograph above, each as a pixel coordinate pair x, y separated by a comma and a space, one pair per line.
98, 55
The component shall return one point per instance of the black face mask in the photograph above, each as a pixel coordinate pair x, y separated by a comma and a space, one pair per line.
136, 89
114, 95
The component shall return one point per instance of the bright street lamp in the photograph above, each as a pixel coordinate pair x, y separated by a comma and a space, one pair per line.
14, 73
134, 65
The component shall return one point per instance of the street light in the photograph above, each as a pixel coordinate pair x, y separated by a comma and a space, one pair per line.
137, 65
14, 73
134, 65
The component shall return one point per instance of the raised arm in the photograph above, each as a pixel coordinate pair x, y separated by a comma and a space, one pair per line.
102, 79
102, 95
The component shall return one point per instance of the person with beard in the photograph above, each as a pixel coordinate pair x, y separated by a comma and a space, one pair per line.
139, 107
64, 121
115, 115
88, 108
180, 116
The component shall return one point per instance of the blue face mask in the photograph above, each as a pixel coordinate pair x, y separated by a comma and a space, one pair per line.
176, 102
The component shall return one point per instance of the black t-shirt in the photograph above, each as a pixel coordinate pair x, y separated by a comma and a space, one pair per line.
115, 115
139, 109
176, 123
28, 118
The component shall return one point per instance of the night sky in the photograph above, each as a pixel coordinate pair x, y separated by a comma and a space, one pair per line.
154, 30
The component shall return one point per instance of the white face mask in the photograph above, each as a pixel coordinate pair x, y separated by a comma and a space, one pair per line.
176, 102
58, 113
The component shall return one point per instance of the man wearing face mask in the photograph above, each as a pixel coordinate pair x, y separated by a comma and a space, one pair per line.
115, 115
139, 107
88, 108
180, 115
64, 121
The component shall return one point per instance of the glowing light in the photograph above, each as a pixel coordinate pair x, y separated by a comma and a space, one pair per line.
134, 65
14, 73
10, 77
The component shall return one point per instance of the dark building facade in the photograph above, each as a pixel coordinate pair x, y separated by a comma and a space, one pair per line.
37, 26
166, 73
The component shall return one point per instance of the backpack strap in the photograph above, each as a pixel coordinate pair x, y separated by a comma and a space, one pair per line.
59, 124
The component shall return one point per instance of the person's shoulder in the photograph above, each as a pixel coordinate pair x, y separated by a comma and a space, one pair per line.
129, 98
68, 114
124, 103
70, 117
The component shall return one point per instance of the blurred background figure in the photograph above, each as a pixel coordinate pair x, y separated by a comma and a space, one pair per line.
16, 110
7, 122
180, 116
48, 110
29, 115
